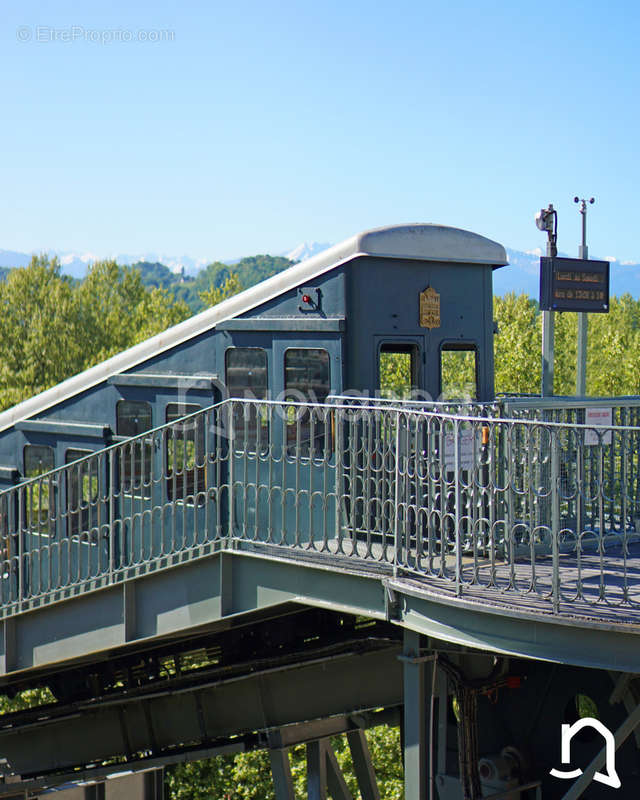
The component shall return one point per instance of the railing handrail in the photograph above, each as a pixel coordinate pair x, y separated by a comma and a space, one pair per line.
467, 502
400, 407
122, 442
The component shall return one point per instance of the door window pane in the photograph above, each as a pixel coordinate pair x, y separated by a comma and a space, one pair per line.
132, 419
458, 372
39, 495
307, 379
8, 540
246, 372
398, 370
306, 374
184, 451
246, 375
82, 491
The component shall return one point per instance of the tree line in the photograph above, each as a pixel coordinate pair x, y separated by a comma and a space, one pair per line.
53, 326
613, 367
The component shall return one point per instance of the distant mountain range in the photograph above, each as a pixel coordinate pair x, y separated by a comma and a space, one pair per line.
76, 264
522, 274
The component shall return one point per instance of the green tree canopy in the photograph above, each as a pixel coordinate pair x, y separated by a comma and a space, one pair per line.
38, 323
118, 311
216, 294
612, 364
52, 327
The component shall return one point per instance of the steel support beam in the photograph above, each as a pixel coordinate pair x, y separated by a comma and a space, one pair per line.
66, 739
336, 783
622, 694
316, 771
362, 765
281, 771
620, 736
415, 745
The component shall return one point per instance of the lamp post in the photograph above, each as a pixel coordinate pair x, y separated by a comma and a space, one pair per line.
583, 252
547, 220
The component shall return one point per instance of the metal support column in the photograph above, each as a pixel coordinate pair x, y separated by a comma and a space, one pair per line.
581, 374
316, 771
415, 745
281, 772
362, 766
336, 783
548, 344
581, 365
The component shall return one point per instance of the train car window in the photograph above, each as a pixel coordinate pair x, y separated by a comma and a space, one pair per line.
458, 371
82, 492
38, 458
132, 419
246, 376
306, 374
398, 370
184, 452
246, 372
307, 379
39, 495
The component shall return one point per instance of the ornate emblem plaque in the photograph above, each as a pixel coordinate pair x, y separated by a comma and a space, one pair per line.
429, 308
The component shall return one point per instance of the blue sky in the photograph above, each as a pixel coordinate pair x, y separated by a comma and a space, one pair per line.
253, 126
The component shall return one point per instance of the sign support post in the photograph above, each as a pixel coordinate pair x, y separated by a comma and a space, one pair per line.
547, 221
583, 320
548, 339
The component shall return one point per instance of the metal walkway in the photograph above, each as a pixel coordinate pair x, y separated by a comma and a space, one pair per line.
535, 513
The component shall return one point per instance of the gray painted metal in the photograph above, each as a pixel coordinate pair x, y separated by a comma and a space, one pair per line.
64, 428
318, 729
415, 741
316, 771
583, 325
288, 324
61, 738
146, 379
281, 772
363, 766
336, 783
484, 507
481, 555
97, 772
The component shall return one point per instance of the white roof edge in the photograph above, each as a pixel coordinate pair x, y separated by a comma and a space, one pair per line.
413, 241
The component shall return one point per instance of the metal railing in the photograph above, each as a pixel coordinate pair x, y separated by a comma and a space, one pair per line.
536, 512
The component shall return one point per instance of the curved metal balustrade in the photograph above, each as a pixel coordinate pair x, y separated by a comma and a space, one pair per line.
531, 513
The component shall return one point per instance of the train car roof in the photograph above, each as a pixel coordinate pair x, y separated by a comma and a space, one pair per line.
419, 241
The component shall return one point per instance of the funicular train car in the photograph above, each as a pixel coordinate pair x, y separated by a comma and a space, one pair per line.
265, 425
324, 327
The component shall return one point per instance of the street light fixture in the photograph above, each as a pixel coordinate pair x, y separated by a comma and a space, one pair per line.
547, 221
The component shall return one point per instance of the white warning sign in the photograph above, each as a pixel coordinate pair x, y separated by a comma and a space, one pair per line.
465, 439
599, 417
